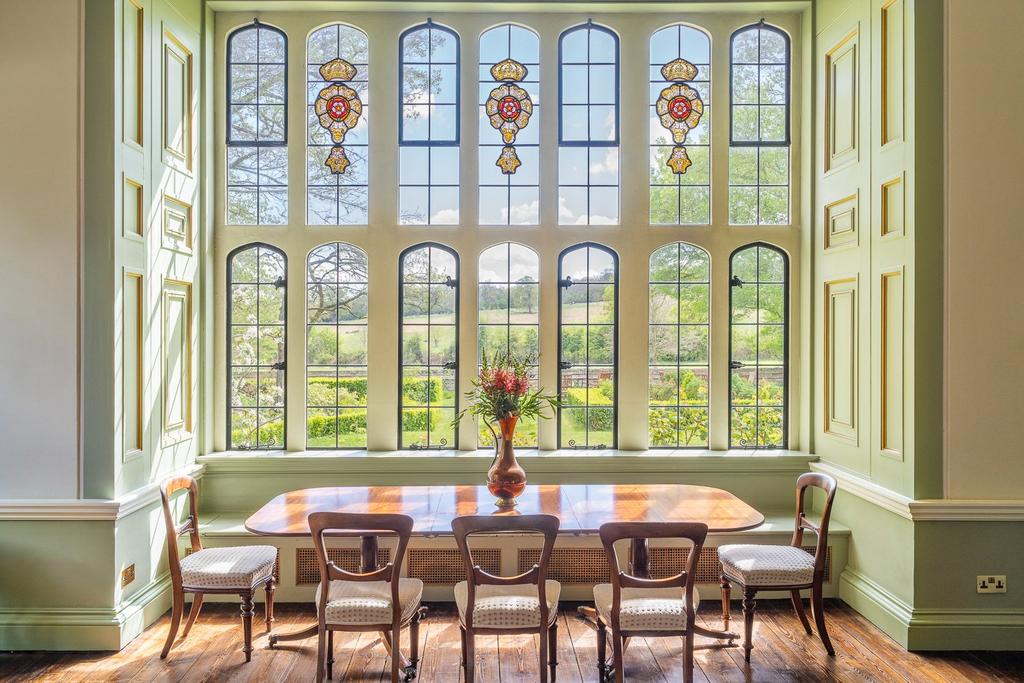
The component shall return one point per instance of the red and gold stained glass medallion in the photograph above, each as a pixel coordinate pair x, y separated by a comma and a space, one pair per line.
508, 108
338, 109
679, 109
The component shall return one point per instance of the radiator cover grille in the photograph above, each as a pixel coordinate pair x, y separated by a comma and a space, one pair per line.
307, 570
444, 566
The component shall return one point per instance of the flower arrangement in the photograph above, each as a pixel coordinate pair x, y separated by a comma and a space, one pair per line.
502, 394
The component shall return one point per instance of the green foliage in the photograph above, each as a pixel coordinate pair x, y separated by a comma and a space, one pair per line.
420, 390
420, 420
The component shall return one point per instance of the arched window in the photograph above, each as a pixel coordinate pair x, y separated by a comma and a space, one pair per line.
336, 346
428, 339
337, 194
256, 342
679, 346
588, 346
510, 198
588, 126
428, 125
758, 347
680, 198
759, 131
509, 316
257, 126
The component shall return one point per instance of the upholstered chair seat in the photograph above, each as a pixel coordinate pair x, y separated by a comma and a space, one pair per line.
645, 609
354, 603
241, 567
767, 565
515, 606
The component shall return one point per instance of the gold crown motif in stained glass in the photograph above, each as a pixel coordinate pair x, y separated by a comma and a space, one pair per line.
679, 70
508, 70
337, 70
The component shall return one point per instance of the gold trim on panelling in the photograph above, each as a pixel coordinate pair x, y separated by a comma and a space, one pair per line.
891, 130
175, 49
133, 281
137, 110
175, 432
889, 280
892, 191
835, 156
307, 569
174, 213
842, 212
133, 188
444, 566
835, 427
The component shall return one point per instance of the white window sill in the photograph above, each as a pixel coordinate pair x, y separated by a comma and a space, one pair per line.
556, 461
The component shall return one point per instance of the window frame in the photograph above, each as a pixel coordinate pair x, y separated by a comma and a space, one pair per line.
615, 343
401, 341
228, 307
432, 26
337, 366
228, 63
785, 344
590, 25
678, 366
761, 26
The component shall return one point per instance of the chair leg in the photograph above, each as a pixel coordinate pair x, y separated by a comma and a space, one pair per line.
798, 607
553, 649
396, 653
726, 598
330, 655
602, 651
470, 658
177, 607
620, 675
414, 645
197, 604
819, 618
321, 654
247, 611
543, 647
688, 657
748, 621
269, 604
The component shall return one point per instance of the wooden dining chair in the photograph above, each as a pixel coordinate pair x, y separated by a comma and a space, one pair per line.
639, 607
203, 571
506, 605
783, 567
380, 600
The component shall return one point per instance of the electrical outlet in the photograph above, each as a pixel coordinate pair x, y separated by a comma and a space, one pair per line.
128, 575
992, 583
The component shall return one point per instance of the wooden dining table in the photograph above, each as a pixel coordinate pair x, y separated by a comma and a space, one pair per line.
580, 508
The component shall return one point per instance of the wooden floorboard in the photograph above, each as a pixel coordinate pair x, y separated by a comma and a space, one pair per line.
782, 652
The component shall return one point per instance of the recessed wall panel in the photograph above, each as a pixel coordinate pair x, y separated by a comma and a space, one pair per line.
131, 387
892, 207
176, 356
892, 70
176, 90
132, 220
841, 218
892, 341
840, 358
841, 95
132, 70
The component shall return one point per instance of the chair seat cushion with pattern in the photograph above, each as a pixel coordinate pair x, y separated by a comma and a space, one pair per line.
509, 607
767, 565
356, 603
239, 567
645, 609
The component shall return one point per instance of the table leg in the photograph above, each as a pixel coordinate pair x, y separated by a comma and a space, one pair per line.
639, 563
368, 555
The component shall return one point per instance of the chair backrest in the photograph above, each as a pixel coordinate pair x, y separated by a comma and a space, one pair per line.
323, 524
190, 526
828, 485
468, 525
695, 532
